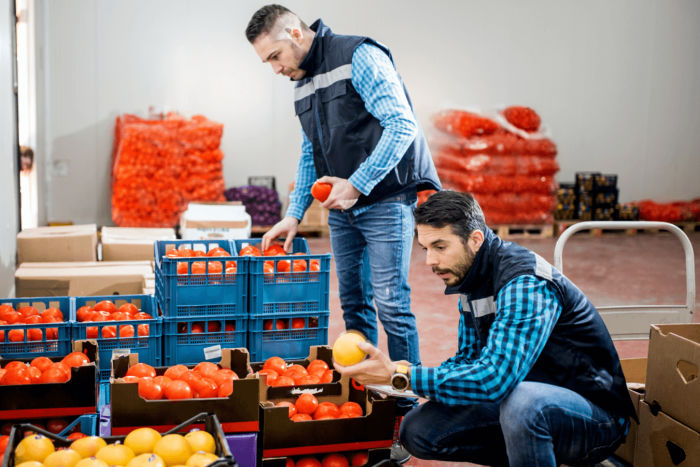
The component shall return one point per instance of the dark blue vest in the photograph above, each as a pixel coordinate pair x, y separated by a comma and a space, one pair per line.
341, 130
579, 354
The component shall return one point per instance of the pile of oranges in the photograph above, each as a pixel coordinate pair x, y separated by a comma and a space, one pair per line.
28, 315
205, 380
41, 370
201, 267
280, 374
106, 310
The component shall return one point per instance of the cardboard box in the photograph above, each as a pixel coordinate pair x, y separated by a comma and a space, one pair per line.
211, 221
672, 371
635, 370
665, 442
315, 216
78, 396
63, 243
237, 413
131, 244
81, 278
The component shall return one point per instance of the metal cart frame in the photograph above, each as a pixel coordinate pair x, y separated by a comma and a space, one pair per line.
632, 321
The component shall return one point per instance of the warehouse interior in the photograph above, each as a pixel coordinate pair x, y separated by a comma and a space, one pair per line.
616, 84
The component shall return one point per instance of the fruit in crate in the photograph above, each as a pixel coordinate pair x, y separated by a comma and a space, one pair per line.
28, 315
106, 310
202, 267
280, 374
307, 404
345, 349
41, 370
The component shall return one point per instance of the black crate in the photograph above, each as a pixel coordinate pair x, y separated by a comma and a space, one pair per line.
605, 181
585, 181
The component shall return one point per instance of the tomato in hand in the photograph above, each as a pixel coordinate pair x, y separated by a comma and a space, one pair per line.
321, 191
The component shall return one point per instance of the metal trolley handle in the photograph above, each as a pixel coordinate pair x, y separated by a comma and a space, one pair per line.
632, 322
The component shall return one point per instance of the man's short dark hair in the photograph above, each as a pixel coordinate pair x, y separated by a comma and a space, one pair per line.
458, 210
264, 19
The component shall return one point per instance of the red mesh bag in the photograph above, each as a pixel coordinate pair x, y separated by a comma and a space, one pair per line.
523, 117
160, 165
465, 124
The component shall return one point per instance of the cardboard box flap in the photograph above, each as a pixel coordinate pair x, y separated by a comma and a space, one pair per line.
136, 235
59, 231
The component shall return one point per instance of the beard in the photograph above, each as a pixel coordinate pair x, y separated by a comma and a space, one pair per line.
459, 270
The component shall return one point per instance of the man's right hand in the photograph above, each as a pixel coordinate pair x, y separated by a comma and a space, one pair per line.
287, 227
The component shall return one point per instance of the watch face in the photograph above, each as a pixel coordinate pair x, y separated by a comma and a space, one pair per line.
399, 382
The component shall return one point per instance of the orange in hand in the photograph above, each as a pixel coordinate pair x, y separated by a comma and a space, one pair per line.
320, 191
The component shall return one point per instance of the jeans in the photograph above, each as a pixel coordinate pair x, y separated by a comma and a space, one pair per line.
378, 242
536, 425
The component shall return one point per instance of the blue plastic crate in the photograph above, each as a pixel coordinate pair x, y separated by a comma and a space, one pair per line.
190, 295
300, 330
183, 343
275, 291
55, 337
86, 424
148, 347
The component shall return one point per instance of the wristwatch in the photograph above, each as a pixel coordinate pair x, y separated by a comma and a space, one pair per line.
400, 379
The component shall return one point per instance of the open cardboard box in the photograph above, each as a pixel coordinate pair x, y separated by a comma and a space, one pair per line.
635, 370
237, 412
665, 442
280, 436
77, 396
62, 243
132, 243
81, 278
672, 371
215, 220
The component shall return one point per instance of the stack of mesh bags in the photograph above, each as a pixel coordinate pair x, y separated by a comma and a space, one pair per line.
505, 159
159, 165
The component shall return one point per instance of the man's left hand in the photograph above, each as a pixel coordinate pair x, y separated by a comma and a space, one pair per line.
377, 369
342, 196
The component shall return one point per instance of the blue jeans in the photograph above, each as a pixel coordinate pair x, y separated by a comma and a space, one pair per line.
377, 243
536, 425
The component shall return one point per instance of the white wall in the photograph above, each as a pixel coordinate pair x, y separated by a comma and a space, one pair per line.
8, 154
617, 82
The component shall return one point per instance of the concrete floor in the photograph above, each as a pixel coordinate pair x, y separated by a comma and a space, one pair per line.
612, 269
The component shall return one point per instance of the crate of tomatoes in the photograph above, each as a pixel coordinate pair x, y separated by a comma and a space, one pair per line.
288, 302
35, 326
120, 324
200, 278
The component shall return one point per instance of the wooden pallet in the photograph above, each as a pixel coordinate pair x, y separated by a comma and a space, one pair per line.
506, 231
560, 226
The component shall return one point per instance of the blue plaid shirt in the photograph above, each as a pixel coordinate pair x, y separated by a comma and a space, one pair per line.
377, 82
528, 309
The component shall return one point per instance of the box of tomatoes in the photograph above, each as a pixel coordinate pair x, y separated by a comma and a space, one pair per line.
162, 397
45, 387
308, 422
120, 324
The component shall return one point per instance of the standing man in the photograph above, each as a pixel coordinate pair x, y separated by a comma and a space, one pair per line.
536, 379
360, 135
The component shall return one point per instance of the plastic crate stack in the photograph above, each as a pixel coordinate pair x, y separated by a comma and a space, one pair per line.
288, 310
204, 304
118, 334
503, 158
566, 202
597, 196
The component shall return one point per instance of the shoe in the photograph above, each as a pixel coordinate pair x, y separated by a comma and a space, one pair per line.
399, 454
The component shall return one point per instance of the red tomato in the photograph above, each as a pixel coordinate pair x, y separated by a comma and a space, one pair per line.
290, 462
197, 328
34, 374
316, 366
128, 308
105, 305
299, 265
143, 330
109, 332
283, 381
56, 425
182, 268
268, 267
308, 379
298, 323
306, 403
34, 334
320, 191
314, 265
198, 267
230, 326
3, 443
130, 379
141, 370
172, 253
308, 462
42, 363
223, 375
218, 251
359, 458
205, 388
15, 376
231, 267
275, 250
27, 311
125, 331
301, 417
282, 324
275, 363
53, 313
207, 369
11, 317
290, 406
52, 334
162, 380
215, 267
327, 377
284, 266
352, 409
142, 315
119, 316
295, 371
335, 460
75, 359
178, 389
250, 250
326, 409
5, 309
176, 372
213, 326
91, 332
76, 435
83, 312
16, 365
150, 390
272, 375
225, 389
54, 374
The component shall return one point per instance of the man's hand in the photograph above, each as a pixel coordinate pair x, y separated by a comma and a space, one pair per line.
343, 195
377, 369
287, 226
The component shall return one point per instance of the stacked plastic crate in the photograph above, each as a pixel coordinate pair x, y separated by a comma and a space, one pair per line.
201, 290
288, 301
